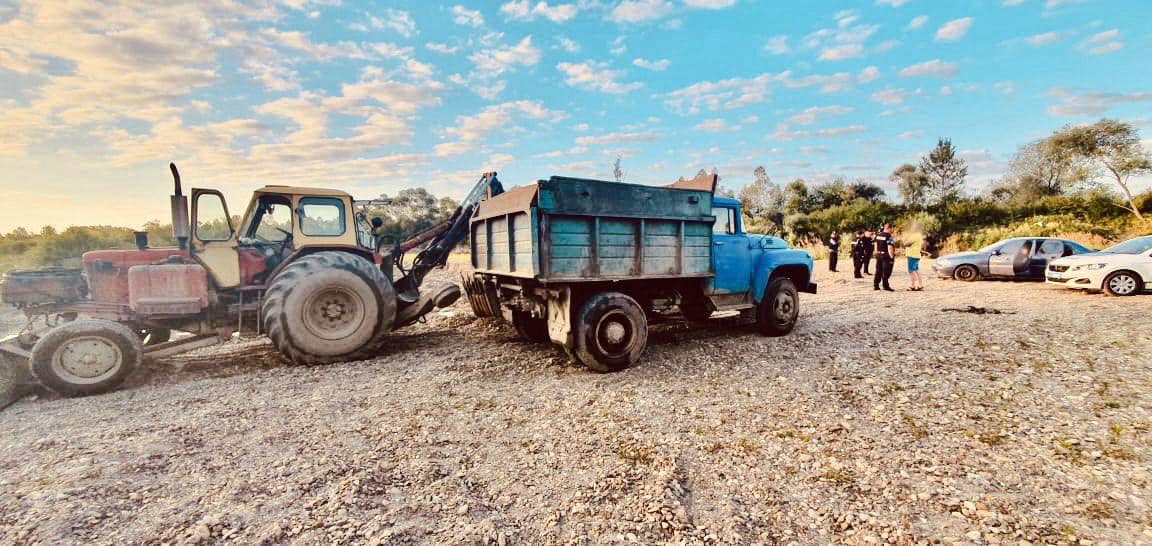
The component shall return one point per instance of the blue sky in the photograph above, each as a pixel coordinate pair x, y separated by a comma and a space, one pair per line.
372, 97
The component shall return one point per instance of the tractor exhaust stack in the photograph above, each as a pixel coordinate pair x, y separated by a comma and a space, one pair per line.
180, 227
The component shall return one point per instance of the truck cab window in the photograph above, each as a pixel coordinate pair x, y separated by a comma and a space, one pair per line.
725, 221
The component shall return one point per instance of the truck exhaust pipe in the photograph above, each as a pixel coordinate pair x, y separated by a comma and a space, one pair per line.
179, 202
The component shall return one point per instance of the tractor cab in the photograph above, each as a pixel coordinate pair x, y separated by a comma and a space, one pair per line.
280, 222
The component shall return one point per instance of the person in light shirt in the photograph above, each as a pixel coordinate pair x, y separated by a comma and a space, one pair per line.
914, 251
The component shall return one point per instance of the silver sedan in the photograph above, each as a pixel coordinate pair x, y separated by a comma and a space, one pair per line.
1016, 258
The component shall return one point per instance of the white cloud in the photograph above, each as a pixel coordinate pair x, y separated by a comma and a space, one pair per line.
868, 74
1100, 43
398, 21
597, 77
715, 126
655, 66
1006, 88
841, 131
1044, 38
567, 44
616, 138
1092, 103
524, 10
841, 52
893, 3
442, 48
917, 22
911, 134
468, 17
813, 114
501, 59
934, 68
709, 4
471, 131
777, 45
889, 97
638, 11
945, 91
1013, 2
954, 30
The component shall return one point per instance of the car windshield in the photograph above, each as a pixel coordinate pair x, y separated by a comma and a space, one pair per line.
1135, 246
991, 247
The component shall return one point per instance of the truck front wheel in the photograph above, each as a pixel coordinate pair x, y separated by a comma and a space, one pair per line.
777, 312
86, 357
611, 332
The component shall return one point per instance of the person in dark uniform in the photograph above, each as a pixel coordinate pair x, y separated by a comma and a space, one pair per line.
869, 246
833, 251
885, 258
859, 250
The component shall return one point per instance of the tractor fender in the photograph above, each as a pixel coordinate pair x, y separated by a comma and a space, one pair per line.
792, 263
353, 249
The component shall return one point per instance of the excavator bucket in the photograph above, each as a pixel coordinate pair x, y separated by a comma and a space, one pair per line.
481, 296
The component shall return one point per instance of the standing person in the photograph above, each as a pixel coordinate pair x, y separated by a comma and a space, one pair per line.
869, 246
859, 250
885, 258
914, 250
833, 251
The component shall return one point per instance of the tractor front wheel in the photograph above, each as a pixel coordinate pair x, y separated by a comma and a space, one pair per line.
86, 357
328, 307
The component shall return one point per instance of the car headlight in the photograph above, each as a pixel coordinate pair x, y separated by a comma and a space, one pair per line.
1089, 267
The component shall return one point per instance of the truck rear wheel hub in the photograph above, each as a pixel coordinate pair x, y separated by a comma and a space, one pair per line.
614, 334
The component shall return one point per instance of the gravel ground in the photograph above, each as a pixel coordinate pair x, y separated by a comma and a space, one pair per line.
881, 419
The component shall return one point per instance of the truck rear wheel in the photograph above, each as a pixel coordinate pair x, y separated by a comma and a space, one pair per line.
611, 332
778, 311
530, 328
329, 307
86, 357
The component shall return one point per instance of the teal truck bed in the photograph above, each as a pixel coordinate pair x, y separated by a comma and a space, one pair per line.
571, 229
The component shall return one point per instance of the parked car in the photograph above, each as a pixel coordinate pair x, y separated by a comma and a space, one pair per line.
1016, 258
1121, 270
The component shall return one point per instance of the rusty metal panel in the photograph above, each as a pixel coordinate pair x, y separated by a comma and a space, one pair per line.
561, 195
519, 199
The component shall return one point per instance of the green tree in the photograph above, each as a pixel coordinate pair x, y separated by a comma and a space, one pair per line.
1041, 169
912, 184
1110, 148
944, 172
797, 199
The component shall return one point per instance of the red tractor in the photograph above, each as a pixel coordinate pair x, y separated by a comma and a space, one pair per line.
303, 267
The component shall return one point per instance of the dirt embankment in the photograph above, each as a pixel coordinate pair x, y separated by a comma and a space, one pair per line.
883, 418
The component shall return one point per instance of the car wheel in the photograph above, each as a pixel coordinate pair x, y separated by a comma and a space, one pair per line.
966, 273
1123, 283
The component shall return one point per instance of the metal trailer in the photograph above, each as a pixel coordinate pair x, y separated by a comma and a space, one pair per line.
587, 264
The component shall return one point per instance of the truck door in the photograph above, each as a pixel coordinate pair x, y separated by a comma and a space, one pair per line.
214, 238
731, 259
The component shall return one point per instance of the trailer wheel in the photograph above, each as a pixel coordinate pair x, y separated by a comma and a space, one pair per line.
530, 328
777, 313
329, 307
611, 332
86, 357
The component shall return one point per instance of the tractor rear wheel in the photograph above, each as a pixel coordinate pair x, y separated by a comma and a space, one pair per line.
328, 307
86, 357
611, 332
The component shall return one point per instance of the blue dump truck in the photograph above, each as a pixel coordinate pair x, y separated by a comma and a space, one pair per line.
588, 264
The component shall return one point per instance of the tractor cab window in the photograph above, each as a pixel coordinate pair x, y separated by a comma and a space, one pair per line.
271, 220
322, 216
725, 221
212, 218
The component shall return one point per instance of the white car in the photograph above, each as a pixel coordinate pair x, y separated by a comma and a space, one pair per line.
1121, 270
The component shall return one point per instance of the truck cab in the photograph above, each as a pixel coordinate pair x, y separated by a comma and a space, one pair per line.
743, 262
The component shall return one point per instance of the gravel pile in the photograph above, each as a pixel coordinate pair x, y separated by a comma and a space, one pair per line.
881, 419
